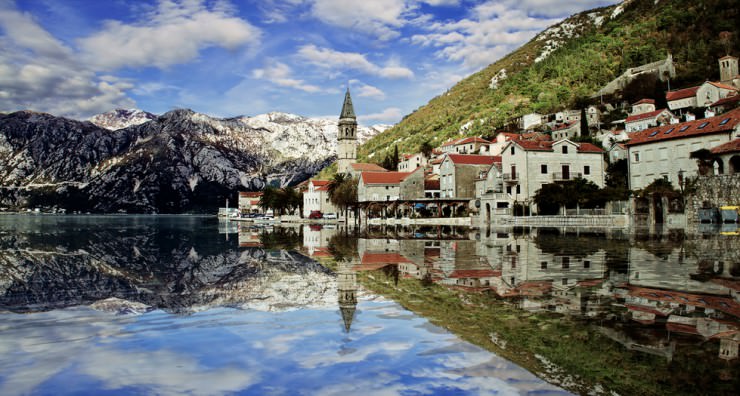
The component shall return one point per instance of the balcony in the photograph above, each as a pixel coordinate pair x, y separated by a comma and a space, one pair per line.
560, 176
511, 177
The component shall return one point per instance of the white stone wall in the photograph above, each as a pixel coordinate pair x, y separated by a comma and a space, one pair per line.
377, 192
665, 158
529, 168
447, 178
682, 103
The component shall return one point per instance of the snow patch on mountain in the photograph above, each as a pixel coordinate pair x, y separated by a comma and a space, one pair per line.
121, 118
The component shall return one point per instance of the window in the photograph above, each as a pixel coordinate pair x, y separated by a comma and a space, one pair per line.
703, 124
508, 189
512, 150
565, 149
586, 170
543, 265
566, 262
565, 281
518, 189
543, 169
586, 264
724, 121
518, 248
684, 128
653, 134
668, 131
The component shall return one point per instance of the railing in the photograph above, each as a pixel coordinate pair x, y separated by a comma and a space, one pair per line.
511, 177
585, 212
566, 176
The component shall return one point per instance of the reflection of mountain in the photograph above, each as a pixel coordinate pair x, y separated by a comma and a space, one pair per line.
170, 264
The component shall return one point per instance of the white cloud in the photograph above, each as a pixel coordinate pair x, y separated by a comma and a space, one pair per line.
380, 18
331, 59
174, 33
442, 2
280, 74
391, 114
493, 30
555, 8
367, 91
38, 72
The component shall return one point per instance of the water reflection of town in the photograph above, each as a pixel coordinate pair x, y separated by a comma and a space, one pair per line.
650, 294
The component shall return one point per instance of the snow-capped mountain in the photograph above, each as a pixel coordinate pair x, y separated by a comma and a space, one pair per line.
121, 118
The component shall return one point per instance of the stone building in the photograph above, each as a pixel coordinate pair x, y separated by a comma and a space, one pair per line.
528, 165
380, 186
316, 198
458, 173
664, 152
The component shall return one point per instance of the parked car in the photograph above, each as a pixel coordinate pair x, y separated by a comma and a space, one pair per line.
316, 214
331, 216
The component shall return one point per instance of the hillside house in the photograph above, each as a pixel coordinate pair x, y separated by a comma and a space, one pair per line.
567, 116
665, 151
568, 130
409, 162
458, 173
725, 105
528, 165
316, 198
648, 120
711, 92
380, 186
472, 145
617, 151
682, 98
529, 121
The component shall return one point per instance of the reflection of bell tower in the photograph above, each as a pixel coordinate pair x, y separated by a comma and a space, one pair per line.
346, 291
347, 136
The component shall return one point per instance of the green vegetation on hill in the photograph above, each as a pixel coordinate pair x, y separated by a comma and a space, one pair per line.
695, 33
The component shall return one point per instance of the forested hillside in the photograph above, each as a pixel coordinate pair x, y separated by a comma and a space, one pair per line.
593, 48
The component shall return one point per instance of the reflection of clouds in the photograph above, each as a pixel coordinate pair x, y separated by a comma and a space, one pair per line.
283, 343
232, 351
162, 372
331, 357
35, 348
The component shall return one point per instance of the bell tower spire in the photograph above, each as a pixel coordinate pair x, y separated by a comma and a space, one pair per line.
347, 136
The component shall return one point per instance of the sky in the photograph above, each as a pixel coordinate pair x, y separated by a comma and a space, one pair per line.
78, 58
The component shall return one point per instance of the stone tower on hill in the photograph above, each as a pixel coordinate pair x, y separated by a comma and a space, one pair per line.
347, 136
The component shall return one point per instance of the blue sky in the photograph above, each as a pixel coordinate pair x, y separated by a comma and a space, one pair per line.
226, 58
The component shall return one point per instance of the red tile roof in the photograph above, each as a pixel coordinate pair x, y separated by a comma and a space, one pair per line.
319, 183
681, 93
687, 129
322, 188
723, 86
644, 116
564, 126
383, 177
463, 159
250, 194
365, 167
727, 100
528, 145
727, 57
644, 101
472, 140
589, 148
450, 142
732, 146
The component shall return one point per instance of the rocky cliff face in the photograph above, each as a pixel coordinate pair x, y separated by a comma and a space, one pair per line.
181, 161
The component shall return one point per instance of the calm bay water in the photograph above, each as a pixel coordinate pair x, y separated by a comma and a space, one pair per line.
186, 305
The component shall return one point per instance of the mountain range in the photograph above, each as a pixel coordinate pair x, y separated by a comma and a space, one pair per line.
133, 161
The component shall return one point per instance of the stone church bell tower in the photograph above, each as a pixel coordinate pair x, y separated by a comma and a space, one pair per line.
347, 136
